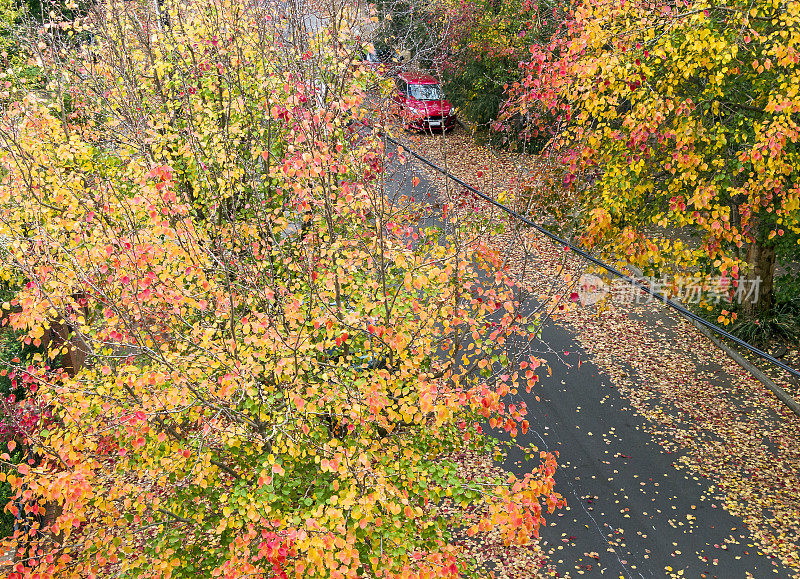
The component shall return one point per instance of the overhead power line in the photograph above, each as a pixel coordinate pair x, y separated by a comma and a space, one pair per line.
609, 268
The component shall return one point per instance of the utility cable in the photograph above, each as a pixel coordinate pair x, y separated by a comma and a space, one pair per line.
609, 268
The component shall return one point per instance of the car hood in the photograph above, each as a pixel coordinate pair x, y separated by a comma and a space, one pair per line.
440, 107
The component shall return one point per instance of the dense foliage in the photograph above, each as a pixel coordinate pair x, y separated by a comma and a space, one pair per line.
268, 367
679, 131
491, 40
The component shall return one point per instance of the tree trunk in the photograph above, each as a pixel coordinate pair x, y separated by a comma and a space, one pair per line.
759, 284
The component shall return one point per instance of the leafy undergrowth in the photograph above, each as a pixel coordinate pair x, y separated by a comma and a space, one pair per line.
729, 427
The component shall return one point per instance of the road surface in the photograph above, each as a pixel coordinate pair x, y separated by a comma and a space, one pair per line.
630, 512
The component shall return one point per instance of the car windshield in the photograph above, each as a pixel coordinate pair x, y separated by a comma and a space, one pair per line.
425, 92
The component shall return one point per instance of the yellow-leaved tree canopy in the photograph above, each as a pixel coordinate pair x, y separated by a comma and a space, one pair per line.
678, 124
253, 357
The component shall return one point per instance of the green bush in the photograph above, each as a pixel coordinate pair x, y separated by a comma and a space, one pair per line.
787, 287
781, 325
476, 88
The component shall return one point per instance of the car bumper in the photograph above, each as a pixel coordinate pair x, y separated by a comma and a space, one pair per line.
433, 124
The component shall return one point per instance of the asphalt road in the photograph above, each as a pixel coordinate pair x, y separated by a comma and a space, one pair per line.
630, 513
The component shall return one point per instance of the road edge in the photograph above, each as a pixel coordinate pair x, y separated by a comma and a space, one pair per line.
779, 392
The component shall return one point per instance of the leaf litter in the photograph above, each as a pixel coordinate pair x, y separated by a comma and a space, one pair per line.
721, 423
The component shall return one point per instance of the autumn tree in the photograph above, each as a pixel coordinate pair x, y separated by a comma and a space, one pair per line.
678, 128
280, 367
483, 56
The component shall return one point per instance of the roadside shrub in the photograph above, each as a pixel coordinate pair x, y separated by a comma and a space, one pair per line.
781, 325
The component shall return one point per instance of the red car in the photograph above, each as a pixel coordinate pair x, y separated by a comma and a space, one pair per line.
422, 103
